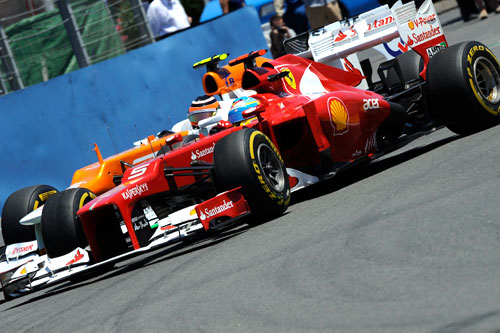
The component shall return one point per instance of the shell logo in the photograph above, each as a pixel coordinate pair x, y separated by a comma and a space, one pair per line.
338, 116
289, 79
411, 25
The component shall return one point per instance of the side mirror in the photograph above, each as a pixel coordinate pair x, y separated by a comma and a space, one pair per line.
173, 139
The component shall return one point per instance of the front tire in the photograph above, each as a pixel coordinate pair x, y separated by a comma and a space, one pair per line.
464, 87
18, 205
62, 231
247, 158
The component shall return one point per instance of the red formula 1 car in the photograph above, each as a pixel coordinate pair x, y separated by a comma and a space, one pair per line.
317, 119
311, 119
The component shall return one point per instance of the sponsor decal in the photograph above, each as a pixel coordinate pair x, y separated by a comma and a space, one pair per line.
381, 22
371, 143
46, 195
351, 32
139, 222
421, 21
216, 210
370, 104
290, 79
402, 46
422, 37
203, 152
134, 191
78, 257
431, 51
141, 225
409, 42
22, 249
338, 116
340, 37
472, 51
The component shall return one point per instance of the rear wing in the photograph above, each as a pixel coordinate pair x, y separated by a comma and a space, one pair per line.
402, 26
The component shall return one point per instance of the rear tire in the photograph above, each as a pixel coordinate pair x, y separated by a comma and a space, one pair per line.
247, 158
62, 231
464, 87
18, 205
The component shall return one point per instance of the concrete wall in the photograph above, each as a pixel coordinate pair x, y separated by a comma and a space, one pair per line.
47, 130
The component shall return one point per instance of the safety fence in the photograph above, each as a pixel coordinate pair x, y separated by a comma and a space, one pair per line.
42, 39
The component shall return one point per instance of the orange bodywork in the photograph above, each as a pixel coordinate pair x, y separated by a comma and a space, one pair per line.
98, 177
226, 78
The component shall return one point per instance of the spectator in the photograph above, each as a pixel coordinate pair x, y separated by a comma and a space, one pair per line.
483, 13
322, 12
467, 9
145, 5
231, 5
295, 14
279, 32
167, 16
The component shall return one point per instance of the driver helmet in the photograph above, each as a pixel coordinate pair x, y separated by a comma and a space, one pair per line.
202, 107
239, 105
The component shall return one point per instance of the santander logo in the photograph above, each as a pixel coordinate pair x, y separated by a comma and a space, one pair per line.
203, 152
216, 210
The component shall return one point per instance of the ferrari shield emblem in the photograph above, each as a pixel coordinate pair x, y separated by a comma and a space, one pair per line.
289, 79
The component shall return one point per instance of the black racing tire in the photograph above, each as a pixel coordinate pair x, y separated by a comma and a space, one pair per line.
247, 158
464, 87
18, 205
62, 231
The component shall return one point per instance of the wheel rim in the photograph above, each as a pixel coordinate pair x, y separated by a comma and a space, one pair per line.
271, 168
487, 80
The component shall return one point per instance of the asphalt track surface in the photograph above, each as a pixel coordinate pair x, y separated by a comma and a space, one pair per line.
410, 243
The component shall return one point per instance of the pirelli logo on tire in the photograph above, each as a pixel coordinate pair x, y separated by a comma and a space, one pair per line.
274, 195
481, 62
42, 197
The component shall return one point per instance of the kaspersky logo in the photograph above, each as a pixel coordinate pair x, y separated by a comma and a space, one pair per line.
289, 79
204, 152
338, 116
216, 210
135, 191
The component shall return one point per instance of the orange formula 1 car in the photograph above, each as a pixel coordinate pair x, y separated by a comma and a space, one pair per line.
87, 182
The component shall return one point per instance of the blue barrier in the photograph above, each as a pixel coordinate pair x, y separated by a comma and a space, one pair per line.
48, 129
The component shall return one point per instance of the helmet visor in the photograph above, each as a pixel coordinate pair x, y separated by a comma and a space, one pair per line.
196, 116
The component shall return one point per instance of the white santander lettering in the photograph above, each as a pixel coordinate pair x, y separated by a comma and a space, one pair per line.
218, 209
203, 152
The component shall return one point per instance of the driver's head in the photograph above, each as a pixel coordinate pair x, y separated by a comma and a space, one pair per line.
239, 105
202, 107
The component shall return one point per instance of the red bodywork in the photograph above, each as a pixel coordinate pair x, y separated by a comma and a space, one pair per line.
342, 118
313, 111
